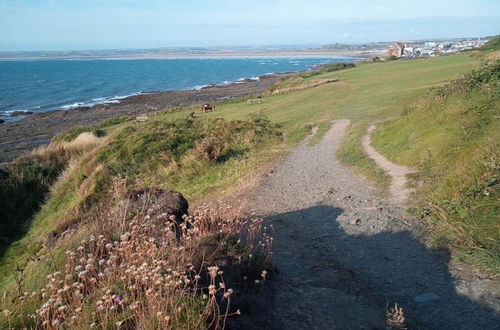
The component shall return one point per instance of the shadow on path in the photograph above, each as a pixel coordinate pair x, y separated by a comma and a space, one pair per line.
329, 279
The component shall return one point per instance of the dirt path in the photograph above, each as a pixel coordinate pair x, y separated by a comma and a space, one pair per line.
398, 173
342, 254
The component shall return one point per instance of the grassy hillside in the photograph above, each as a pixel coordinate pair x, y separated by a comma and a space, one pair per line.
195, 157
201, 159
452, 135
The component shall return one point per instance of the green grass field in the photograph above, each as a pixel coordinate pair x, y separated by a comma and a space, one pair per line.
368, 93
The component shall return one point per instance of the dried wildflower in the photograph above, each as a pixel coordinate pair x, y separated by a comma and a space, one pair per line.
139, 260
211, 289
396, 318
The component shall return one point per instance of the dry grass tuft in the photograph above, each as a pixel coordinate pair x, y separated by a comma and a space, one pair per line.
396, 318
83, 142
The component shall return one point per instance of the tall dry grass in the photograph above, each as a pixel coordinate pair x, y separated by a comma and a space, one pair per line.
83, 142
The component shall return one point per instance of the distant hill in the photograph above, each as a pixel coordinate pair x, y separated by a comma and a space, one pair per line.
341, 46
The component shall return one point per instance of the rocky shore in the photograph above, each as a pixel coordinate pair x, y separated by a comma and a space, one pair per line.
37, 129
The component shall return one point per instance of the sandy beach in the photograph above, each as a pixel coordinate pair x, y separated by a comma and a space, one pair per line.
37, 129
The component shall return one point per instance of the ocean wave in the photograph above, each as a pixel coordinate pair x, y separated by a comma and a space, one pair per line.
256, 78
198, 87
227, 82
72, 106
8, 113
99, 100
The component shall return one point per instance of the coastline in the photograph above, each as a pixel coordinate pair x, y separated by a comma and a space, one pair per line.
18, 137
37, 129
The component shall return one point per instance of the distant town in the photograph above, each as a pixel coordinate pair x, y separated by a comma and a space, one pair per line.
432, 48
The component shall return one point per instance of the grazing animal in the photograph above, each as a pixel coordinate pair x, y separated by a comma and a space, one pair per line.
207, 107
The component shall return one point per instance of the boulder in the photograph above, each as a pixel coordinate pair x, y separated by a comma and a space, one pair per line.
426, 297
20, 113
155, 202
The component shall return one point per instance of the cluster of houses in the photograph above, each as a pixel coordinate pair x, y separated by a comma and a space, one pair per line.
432, 48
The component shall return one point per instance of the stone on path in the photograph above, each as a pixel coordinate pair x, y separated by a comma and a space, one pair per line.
426, 297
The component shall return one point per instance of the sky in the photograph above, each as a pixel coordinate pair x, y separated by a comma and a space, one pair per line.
110, 24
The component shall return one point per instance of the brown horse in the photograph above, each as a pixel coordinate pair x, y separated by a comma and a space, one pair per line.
207, 107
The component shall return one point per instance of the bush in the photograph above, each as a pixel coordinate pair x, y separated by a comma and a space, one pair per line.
209, 148
487, 74
135, 150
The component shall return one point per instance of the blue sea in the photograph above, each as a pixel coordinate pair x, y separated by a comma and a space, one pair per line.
42, 85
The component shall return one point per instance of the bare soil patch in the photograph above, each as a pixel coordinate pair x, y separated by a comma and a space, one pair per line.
398, 189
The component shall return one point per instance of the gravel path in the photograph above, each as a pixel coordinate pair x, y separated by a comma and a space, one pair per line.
343, 255
398, 173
